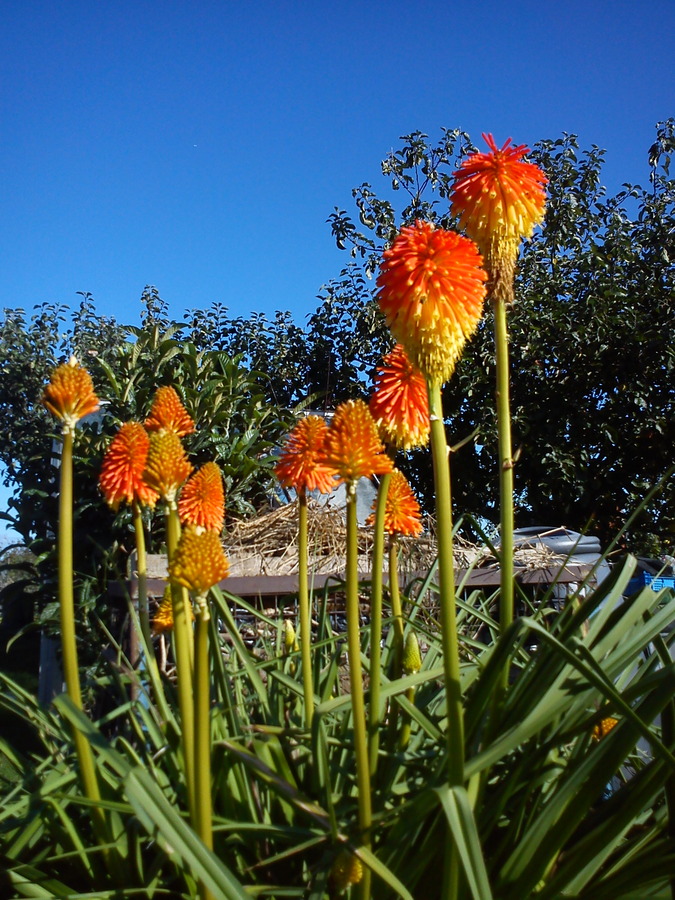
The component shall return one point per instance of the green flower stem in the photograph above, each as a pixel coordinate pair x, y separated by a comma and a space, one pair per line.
446, 583
184, 649
203, 820
376, 623
356, 685
141, 562
305, 617
404, 737
449, 642
71, 668
505, 470
396, 608
144, 616
397, 613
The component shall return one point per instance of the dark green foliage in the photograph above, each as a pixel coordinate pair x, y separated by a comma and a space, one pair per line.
237, 428
592, 356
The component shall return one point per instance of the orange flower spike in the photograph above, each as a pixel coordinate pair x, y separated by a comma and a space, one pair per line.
167, 466
162, 621
602, 728
499, 198
400, 403
202, 500
121, 476
353, 446
70, 393
302, 463
431, 293
199, 562
402, 513
169, 414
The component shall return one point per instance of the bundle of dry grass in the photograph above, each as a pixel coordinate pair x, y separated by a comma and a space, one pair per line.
268, 545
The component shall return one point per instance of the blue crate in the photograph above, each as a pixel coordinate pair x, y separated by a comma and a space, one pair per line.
655, 582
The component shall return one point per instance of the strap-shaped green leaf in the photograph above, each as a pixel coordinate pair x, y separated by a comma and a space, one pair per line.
458, 812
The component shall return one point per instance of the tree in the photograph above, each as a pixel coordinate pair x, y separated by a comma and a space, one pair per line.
593, 367
236, 427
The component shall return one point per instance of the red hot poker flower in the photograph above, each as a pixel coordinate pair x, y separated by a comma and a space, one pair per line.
353, 447
202, 499
402, 514
167, 466
199, 562
302, 463
70, 393
163, 619
499, 198
400, 403
121, 476
169, 414
431, 292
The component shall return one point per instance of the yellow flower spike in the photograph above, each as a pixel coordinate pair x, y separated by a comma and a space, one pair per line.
70, 393
121, 476
431, 293
199, 562
412, 656
400, 403
353, 446
163, 619
169, 414
603, 727
167, 466
345, 871
302, 461
202, 500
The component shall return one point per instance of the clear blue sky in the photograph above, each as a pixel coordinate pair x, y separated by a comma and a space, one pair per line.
200, 146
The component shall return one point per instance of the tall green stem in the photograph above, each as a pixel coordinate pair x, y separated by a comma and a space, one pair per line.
397, 613
356, 685
71, 668
396, 608
143, 613
450, 644
142, 569
203, 820
303, 603
446, 584
505, 467
376, 623
184, 649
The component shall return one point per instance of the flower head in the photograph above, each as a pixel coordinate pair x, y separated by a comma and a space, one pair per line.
412, 655
199, 561
162, 621
290, 639
402, 514
302, 463
121, 476
345, 871
167, 466
400, 403
202, 500
353, 446
169, 414
70, 393
499, 198
603, 727
431, 292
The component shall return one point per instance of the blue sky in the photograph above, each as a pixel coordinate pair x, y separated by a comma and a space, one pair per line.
200, 146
